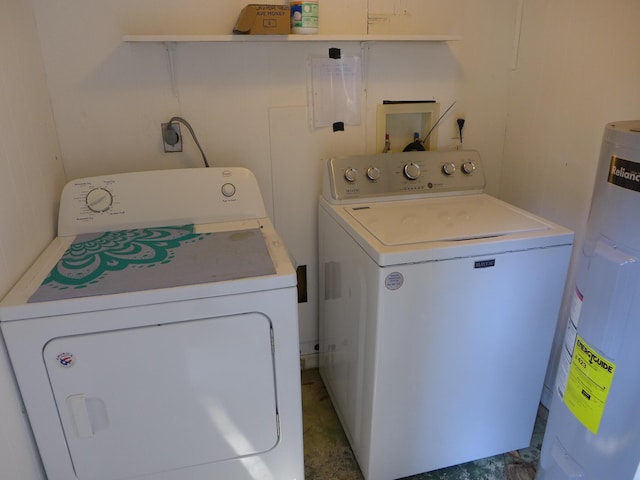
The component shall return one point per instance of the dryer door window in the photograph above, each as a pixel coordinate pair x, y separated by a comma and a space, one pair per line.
144, 400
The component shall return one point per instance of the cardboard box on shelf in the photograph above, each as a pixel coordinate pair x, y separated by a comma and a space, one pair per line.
258, 19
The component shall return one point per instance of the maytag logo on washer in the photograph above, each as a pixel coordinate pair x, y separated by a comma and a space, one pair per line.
485, 263
624, 173
66, 359
394, 281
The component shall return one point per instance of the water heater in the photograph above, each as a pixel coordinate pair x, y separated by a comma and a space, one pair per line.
593, 430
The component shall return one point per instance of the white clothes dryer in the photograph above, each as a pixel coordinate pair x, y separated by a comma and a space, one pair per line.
157, 336
438, 306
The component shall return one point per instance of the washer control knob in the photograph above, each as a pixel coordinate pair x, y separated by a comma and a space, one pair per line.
228, 189
468, 167
412, 171
351, 174
373, 173
99, 200
449, 168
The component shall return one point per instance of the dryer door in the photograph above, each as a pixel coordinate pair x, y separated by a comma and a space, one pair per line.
144, 400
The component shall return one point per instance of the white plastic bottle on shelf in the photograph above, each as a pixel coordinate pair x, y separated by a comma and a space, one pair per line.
304, 16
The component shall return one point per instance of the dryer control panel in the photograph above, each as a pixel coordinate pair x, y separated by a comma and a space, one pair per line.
361, 177
161, 197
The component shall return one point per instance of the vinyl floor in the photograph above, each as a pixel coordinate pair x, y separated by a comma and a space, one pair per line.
327, 454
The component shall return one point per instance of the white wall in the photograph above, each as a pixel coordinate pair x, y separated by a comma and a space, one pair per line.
31, 178
578, 68
248, 102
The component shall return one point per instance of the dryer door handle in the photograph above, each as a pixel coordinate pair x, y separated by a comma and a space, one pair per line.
79, 412
88, 414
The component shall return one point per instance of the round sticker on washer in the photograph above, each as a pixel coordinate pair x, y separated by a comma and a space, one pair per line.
394, 281
65, 359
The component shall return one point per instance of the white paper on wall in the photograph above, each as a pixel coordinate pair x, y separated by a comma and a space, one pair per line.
336, 91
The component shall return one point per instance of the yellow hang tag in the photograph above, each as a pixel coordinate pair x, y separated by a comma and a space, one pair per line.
588, 385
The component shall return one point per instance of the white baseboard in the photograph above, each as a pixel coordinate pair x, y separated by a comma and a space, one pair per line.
309, 361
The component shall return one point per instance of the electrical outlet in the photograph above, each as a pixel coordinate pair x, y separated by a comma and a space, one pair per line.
171, 137
456, 130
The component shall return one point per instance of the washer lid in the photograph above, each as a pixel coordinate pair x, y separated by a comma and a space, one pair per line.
442, 219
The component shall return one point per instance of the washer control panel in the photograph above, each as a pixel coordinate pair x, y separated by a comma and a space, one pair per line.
382, 175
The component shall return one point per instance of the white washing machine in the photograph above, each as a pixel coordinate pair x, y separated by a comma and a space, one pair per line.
438, 310
157, 336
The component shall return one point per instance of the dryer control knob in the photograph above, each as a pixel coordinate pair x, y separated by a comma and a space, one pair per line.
99, 200
228, 189
468, 167
412, 171
449, 168
373, 173
351, 174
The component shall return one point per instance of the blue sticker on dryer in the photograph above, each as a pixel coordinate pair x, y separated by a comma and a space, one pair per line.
66, 359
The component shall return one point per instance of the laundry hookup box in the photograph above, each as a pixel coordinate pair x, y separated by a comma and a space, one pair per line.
258, 19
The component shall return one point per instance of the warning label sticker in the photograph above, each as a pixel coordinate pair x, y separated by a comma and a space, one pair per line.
566, 355
590, 378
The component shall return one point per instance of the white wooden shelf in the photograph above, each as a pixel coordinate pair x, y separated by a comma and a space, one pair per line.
288, 38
